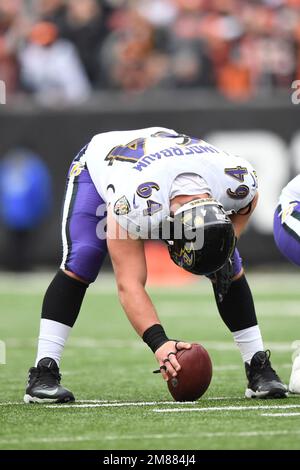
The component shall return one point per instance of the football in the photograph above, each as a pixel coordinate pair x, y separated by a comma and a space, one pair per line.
195, 375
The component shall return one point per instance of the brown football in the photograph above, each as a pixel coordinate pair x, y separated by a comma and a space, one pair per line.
194, 378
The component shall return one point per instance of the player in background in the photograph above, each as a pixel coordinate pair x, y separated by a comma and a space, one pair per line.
153, 183
287, 238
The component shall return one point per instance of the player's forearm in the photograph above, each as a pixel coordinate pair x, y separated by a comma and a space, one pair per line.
138, 307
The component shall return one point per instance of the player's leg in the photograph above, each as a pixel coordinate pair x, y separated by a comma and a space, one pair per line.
238, 313
287, 237
84, 253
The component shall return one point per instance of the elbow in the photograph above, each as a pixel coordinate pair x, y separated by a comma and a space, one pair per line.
123, 291
127, 290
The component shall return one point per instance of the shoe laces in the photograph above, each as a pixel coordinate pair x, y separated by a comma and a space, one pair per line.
264, 365
48, 376
266, 361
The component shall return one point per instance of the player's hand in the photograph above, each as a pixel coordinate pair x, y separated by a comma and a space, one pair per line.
166, 357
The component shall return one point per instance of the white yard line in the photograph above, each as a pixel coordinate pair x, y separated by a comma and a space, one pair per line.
115, 405
205, 434
12, 403
107, 403
279, 415
139, 437
223, 398
226, 408
46, 440
173, 410
160, 402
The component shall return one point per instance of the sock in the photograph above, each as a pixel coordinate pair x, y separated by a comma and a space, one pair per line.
249, 342
52, 339
61, 306
238, 313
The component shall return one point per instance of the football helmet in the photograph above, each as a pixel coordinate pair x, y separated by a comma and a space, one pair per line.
202, 237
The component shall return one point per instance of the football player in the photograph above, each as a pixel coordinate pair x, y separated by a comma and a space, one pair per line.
287, 238
153, 183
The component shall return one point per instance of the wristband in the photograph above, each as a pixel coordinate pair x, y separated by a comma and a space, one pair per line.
155, 337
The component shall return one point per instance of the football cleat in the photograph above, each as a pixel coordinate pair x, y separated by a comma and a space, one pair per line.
263, 382
294, 385
44, 384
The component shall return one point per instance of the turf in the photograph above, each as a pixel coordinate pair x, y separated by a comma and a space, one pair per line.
110, 371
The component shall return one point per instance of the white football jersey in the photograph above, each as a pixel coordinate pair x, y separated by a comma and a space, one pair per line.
290, 193
133, 171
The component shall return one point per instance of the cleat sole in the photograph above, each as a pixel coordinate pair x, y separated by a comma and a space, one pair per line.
269, 394
28, 399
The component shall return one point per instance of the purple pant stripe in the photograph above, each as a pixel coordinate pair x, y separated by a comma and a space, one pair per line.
237, 262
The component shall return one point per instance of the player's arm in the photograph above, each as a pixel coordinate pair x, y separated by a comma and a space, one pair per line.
128, 259
241, 218
129, 263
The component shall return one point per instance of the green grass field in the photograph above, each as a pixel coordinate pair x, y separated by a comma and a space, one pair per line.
120, 403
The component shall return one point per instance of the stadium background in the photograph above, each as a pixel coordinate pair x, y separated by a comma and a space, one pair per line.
223, 70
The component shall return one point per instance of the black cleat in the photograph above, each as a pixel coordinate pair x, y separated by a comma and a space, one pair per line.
263, 382
44, 384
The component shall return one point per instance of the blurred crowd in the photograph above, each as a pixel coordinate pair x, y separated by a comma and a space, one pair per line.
61, 50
